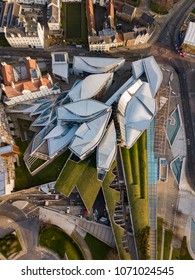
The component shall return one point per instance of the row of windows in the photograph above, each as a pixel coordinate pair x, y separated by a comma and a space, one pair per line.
16, 41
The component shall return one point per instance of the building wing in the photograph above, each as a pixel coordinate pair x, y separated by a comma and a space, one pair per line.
96, 65
91, 86
106, 150
81, 110
135, 113
59, 142
149, 67
88, 135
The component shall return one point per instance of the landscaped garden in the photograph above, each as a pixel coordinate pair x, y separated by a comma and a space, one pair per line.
136, 172
9, 245
58, 241
84, 176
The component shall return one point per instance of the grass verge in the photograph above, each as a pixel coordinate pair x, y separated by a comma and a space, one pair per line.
167, 244
159, 237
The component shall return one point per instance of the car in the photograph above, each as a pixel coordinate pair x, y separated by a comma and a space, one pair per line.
188, 141
104, 221
68, 209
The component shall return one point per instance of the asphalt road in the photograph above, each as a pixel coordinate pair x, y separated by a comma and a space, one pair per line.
170, 30
12, 212
189, 129
167, 40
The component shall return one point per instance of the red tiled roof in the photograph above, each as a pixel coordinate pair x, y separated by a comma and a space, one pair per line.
8, 74
90, 16
26, 85
110, 10
18, 87
30, 64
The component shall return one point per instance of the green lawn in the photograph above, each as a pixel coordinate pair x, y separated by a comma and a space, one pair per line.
37, 164
4, 42
136, 173
74, 26
159, 237
70, 175
143, 165
99, 250
57, 240
167, 244
72, 20
134, 159
135, 165
9, 245
84, 30
88, 185
48, 174
127, 163
156, 9
84, 176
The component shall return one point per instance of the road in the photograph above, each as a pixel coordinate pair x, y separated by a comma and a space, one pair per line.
167, 40
172, 26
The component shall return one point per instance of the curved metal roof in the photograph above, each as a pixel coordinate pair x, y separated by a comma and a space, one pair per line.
153, 72
88, 135
90, 86
136, 113
97, 64
83, 108
106, 150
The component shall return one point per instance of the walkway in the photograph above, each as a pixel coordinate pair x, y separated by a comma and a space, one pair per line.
152, 189
71, 225
82, 245
102, 232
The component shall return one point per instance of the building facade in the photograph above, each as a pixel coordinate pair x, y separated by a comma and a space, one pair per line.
53, 15
27, 85
25, 38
